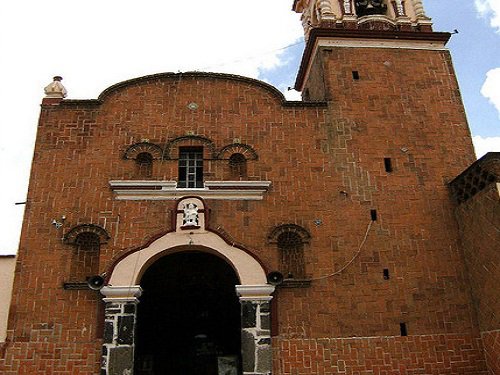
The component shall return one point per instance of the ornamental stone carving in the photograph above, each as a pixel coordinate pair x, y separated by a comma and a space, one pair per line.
347, 6
190, 216
55, 89
400, 10
326, 11
419, 9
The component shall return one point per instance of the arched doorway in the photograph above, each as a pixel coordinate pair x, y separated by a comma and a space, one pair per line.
188, 318
166, 267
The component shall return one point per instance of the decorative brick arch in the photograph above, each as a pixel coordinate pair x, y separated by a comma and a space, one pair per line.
191, 234
238, 148
134, 150
189, 140
71, 237
280, 229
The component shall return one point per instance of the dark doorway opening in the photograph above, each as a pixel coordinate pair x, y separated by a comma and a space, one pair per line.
188, 319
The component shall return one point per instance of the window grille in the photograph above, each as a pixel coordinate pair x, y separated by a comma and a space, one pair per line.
190, 167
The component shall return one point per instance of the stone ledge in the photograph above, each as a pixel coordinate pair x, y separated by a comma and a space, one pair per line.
167, 190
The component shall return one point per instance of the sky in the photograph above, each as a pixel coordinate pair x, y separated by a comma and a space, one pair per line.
94, 44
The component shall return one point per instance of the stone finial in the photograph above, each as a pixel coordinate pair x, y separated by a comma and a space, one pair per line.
55, 89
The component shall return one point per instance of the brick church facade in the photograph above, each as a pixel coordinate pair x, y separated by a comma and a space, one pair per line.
199, 223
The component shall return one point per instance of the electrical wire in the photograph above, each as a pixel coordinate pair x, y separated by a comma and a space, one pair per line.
353, 258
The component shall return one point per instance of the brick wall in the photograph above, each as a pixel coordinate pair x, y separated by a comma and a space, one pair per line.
428, 354
326, 165
479, 222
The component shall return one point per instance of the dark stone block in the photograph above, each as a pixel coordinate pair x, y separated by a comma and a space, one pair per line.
103, 372
248, 315
121, 360
265, 321
104, 350
264, 360
108, 333
129, 308
248, 351
265, 341
265, 307
111, 312
126, 329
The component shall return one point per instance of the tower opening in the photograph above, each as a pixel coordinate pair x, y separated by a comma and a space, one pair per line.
188, 318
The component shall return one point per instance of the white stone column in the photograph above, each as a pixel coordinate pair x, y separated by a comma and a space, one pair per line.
256, 328
119, 329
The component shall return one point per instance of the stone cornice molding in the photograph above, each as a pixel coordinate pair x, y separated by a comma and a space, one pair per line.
167, 190
255, 292
121, 293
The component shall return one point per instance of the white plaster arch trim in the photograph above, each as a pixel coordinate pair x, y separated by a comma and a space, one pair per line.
129, 270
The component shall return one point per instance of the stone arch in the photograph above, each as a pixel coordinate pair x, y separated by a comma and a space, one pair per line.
191, 234
128, 270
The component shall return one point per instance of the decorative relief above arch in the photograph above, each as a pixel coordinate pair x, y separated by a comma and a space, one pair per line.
237, 148
189, 140
71, 237
143, 147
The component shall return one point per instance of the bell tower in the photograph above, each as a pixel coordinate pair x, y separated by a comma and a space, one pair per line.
358, 26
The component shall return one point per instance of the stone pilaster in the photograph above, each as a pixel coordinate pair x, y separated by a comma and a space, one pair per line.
119, 329
256, 328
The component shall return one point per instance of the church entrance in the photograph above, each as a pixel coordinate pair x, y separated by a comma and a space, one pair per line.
188, 318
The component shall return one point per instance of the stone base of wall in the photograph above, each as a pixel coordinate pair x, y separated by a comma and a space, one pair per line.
491, 343
428, 354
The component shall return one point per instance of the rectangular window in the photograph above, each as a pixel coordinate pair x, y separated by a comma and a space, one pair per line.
190, 167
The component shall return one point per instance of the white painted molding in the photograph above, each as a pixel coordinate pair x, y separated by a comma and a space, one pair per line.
121, 293
498, 188
167, 190
255, 292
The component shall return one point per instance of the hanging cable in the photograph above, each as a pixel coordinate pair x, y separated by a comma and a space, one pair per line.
353, 258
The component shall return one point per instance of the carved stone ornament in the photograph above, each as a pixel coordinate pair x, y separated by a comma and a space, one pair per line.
326, 11
190, 218
419, 9
370, 7
347, 6
400, 10
55, 89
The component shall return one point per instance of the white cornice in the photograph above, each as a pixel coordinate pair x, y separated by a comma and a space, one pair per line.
121, 293
167, 190
255, 292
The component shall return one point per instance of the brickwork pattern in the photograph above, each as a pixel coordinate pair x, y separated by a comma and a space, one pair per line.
430, 354
491, 342
479, 220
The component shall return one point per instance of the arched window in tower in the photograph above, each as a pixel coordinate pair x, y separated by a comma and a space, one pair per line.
144, 164
238, 165
370, 7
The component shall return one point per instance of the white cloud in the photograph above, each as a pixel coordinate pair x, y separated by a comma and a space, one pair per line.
486, 144
94, 44
489, 9
491, 88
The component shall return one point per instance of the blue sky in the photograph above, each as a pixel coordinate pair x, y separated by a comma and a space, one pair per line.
94, 44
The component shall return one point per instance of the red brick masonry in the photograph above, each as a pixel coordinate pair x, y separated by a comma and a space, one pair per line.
428, 354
